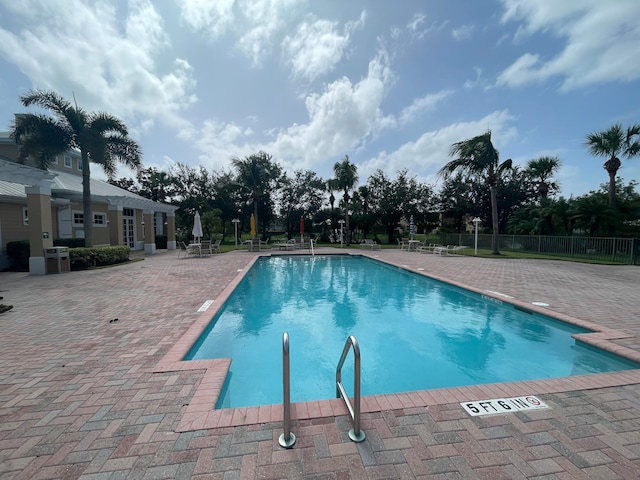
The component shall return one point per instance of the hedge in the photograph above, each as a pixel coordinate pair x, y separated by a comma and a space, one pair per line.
80, 258
85, 258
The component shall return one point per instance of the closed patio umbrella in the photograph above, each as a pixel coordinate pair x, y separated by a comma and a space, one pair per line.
301, 228
197, 228
412, 228
252, 222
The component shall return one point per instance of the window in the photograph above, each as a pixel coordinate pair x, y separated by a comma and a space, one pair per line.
127, 212
99, 219
79, 165
25, 216
67, 161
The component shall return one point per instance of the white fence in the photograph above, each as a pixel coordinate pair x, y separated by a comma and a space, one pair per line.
616, 250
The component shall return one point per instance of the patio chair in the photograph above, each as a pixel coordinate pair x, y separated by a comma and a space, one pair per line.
404, 244
457, 250
368, 243
182, 249
428, 248
215, 246
254, 245
449, 249
205, 247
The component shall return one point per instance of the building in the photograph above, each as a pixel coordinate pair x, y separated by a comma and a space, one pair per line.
41, 206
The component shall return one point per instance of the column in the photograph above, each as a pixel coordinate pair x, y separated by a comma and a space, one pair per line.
116, 228
171, 231
40, 226
149, 233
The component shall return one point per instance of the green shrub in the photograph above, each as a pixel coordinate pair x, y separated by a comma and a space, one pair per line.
85, 258
19, 253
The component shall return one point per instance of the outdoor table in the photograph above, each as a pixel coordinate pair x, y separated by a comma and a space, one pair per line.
194, 248
413, 244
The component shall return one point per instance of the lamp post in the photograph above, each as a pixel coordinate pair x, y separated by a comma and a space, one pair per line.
476, 221
235, 225
341, 222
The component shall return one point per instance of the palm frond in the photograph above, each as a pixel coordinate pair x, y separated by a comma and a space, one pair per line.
104, 123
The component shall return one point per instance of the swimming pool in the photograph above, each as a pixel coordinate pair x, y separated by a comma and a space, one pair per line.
414, 333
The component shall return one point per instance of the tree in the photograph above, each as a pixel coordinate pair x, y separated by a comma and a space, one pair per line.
477, 157
346, 178
101, 138
540, 171
612, 144
299, 195
256, 173
394, 199
459, 197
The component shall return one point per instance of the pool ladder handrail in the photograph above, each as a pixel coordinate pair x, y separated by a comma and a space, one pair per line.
311, 247
355, 434
287, 439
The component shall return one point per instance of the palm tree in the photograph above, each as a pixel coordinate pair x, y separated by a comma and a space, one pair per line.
346, 177
255, 174
541, 170
477, 157
613, 143
101, 138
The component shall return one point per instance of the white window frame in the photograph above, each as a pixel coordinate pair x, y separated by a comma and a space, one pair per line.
97, 216
68, 161
73, 216
25, 216
79, 164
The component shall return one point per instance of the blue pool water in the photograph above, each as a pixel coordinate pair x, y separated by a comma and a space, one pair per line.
414, 333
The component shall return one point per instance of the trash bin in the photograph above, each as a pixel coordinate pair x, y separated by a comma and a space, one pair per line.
57, 259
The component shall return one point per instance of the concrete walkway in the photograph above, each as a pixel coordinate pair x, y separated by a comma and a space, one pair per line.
83, 394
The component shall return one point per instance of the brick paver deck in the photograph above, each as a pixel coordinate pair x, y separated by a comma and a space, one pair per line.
83, 395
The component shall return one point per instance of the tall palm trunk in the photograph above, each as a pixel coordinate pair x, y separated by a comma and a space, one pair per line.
255, 211
86, 201
346, 216
494, 219
612, 166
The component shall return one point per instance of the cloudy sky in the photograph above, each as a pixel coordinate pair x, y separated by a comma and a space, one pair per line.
392, 84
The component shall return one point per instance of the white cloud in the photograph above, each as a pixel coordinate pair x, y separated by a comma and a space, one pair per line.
214, 17
601, 41
416, 25
105, 67
266, 18
426, 155
477, 81
254, 23
317, 46
462, 33
340, 118
421, 105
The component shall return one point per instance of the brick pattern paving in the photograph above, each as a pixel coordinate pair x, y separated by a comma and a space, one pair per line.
81, 394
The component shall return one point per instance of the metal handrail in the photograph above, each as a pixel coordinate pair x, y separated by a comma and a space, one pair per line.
287, 439
311, 247
355, 433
